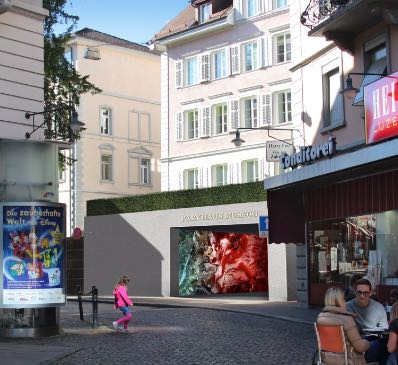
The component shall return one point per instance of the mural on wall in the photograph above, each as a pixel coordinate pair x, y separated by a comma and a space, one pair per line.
33, 254
219, 262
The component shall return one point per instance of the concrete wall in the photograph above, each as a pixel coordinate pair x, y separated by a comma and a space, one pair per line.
145, 247
21, 68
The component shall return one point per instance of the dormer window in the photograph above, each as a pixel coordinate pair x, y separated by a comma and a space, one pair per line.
204, 12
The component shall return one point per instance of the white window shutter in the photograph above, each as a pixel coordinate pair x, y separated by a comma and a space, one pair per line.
179, 74
235, 60
260, 52
267, 52
267, 107
228, 61
261, 167
204, 67
261, 6
200, 177
179, 126
205, 122
234, 115
266, 5
255, 121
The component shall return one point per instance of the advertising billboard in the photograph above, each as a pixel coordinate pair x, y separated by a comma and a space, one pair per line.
221, 263
381, 109
33, 254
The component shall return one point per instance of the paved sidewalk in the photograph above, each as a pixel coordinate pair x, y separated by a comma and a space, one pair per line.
256, 305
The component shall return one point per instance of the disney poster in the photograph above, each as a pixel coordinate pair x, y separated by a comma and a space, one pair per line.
33, 254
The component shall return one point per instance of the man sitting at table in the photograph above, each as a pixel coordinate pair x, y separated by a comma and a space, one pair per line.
370, 315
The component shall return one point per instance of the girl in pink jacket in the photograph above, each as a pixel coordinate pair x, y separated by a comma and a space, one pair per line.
122, 301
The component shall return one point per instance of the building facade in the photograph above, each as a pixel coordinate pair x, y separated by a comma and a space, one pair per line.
336, 199
225, 65
118, 153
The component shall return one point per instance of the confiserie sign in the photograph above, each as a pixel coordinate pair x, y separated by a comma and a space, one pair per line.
381, 109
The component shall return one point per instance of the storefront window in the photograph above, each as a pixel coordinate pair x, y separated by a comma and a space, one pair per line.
354, 247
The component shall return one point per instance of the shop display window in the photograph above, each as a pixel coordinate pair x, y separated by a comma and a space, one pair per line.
354, 247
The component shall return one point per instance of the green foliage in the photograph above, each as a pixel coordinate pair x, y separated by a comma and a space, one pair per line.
62, 84
228, 194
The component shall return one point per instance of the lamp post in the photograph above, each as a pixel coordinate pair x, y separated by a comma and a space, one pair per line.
350, 91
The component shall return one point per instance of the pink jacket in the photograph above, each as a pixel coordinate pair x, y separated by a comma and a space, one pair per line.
122, 298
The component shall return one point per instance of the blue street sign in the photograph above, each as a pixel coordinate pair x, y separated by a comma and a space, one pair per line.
263, 226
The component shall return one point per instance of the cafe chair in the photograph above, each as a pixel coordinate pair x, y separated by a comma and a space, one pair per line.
331, 338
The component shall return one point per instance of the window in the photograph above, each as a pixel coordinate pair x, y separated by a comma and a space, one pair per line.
282, 47
249, 51
333, 111
145, 171
191, 71
106, 121
191, 126
375, 62
204, 12
282, 107
106, 167
250, 171
191, 180
219, 64
250, 7
220, 175
220, 118
279, 4
139, 166
249, 113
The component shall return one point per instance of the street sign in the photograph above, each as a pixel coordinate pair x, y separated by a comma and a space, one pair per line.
263, 226
274, 149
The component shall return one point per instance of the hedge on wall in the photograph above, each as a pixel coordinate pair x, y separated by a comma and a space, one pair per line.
228, 194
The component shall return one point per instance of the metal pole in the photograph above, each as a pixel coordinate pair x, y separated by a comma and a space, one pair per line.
79, 298
94, 294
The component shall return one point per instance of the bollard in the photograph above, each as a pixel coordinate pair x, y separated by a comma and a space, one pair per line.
79, 298
94, 295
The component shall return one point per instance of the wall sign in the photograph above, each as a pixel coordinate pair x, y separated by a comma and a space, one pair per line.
263, 226
274, 150
309, 154
381, 109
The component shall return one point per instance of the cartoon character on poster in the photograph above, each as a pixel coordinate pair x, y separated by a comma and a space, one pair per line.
32, 247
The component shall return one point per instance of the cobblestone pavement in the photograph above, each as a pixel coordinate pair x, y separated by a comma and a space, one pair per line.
176, 336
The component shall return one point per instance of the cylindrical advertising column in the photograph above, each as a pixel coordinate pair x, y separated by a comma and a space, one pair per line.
33, 277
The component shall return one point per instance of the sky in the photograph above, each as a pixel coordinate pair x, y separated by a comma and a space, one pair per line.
133, 20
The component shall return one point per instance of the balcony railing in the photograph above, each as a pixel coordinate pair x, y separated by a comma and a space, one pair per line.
318, 10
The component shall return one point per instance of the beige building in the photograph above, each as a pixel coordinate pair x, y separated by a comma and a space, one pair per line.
21, 66
118, 153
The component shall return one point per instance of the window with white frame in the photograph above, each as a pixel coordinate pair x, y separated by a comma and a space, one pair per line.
204, 12
250, 7
219, 63
282, 47
106, 121
191, 124
219, 174
249, 56
282, 107
145, 171
191, 179
220, 118
333, 111
191, 71
276, 4
106, 165
250, 171
249, 117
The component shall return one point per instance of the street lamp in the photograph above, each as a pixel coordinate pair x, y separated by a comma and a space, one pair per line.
349, 91
75, 123
238, 141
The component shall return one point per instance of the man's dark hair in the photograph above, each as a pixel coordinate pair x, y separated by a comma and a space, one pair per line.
363, 281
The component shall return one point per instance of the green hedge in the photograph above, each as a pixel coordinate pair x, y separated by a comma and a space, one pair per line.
228, 194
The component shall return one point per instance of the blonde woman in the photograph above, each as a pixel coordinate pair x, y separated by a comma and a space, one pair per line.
392, 345
335, 313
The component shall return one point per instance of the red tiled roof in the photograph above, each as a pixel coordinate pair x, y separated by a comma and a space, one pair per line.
186, 20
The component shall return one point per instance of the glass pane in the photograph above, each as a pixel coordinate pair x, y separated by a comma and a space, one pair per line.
335, 98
